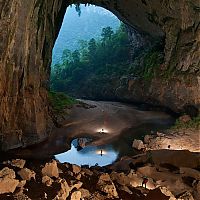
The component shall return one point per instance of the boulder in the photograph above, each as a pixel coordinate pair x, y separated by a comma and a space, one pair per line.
64, 191
106, 185
109, 189
147, 138
138, 144
18, 163
51, 169
120, 178
27, 174
76, 169
8, 183
135, 180
47, 180
76, 195
7, 172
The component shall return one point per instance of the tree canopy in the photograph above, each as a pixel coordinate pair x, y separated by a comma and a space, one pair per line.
95, 58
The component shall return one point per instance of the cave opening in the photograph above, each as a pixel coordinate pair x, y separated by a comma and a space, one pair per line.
91, 51
96, 56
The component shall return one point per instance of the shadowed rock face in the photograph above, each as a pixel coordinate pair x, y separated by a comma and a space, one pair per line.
28, 30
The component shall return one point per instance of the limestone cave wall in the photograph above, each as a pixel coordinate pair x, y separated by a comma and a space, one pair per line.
27, 33
28, 30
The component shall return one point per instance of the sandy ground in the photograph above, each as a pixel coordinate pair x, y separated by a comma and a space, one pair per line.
115, 118
112, 117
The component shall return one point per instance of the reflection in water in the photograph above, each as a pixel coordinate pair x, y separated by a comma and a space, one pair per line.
88, 155
81, 153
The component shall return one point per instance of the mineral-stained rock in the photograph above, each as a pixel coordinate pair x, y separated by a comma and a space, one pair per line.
76, 169
27, 174
76, 195
18, 163
47, 180
51, 169
138, 144
8, 183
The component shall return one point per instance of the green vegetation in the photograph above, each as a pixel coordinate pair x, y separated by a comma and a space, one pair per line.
97, 67
60, 101
147, 64
95, 59
194, 123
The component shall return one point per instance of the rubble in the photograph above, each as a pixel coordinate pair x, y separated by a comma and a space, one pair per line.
51, 169
27, 174
8, 183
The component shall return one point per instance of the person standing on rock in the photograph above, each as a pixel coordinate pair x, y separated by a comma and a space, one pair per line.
144, 182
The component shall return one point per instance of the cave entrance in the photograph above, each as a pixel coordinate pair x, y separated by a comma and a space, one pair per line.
96, 56
91, 53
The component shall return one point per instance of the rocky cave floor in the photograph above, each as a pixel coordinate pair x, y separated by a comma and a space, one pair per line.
172, 174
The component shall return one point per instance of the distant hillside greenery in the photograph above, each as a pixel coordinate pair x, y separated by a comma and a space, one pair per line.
101, 66
84, 27
95, 61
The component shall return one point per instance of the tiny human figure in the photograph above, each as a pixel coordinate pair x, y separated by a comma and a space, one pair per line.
101, 152
101, 131
144, 182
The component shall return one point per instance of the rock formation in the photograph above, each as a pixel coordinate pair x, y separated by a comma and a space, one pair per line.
28, 30
100, 183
